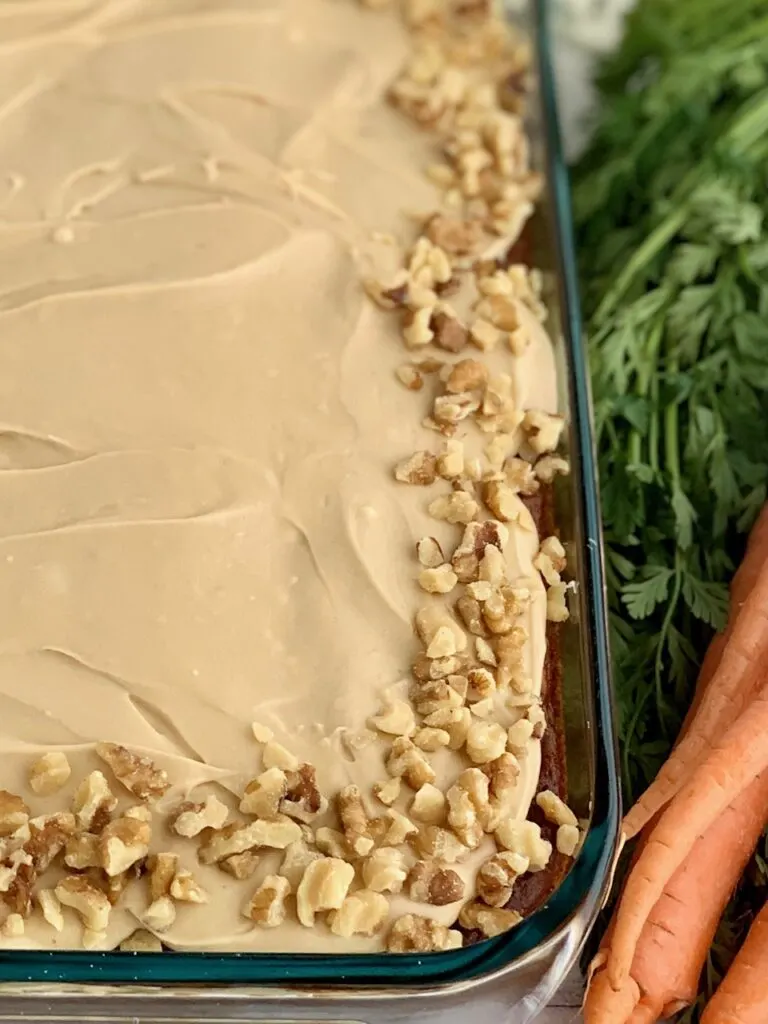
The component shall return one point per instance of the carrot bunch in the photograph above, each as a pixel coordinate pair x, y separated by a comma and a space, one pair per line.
698, 823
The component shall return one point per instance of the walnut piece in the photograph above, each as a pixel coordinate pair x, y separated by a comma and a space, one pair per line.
241, 865
138, 774
14, 813
83, 851
419, 469
567, 840
384, 870
354, 820
262, 795
455, 721
49, 773
429, 553
469, 806
396, 719
456, 507
409, 377
491, 921
122, 843
466, 375
86, 899
442, 636
428, 805
414, 934
524, 838
238, 837
50, 906
303, 800
399, 829
192, 818
267, 905
450, 463
387, 792
362, 913
406, 761
162, 871
13, 926
430, 738
485, 742
557, 607
458, 236
477, 538
550, 466
93, 802
261, 733
543, 430
436, 843
440, 580
324, 887
555, 809
498, 875
160, 914
296, 859
519, 736
448, 333
430, 883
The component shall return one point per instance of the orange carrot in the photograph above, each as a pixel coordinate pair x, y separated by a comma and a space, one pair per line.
727, 693
673, 946
742, 997
734, 762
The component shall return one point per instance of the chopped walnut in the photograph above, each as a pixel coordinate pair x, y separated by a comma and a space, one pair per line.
555, 809
455, 235
448, 333
485, 741
14, 813
524, 837
406, 761
332, 843
191, 818
187, 889
557, 607
86, 899
362, 913
429, 553
430, 883
238, 837
50, 906
450, 463
550, 466
439, 632
481, 685
519, 736
122, 843
470, 611
469, 807
504, 607
141, 941
303, 800
82, 851
162, 871
491, 921
436, 843
485, 653
266, 906
275, 755
419, 469
504, 502
567, 840
263, 795
500, 310
484, 334
49, 773
437, 695
452, 409
417, 325
13, 926
240, 865
497, 876
354, 820
477, 539
455, 721
428, 805
384, 870
536, 716
543, 430
414, 934
430, 738
387, 792
466, 375
409, 377
261, 733
520, 476
160, 914
138, 774
324, 887
509, 654
493, 566
400, 828
396, 719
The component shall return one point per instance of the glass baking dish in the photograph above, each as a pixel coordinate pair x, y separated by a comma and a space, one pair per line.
510, 977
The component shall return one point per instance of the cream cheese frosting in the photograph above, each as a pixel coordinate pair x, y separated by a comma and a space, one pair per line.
200, 416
